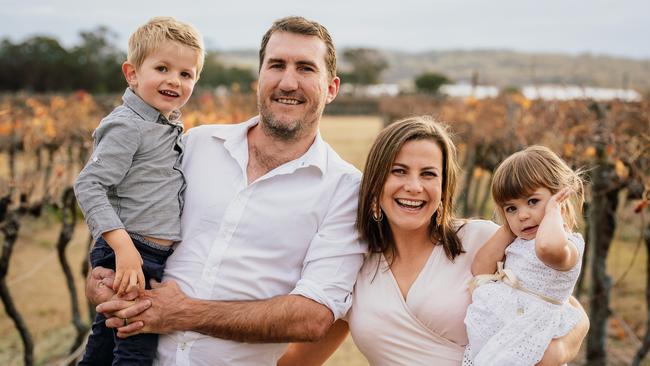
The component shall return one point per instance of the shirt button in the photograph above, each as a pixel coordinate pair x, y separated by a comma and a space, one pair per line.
182, 346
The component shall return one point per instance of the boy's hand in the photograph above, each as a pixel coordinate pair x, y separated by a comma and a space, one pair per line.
128, 271
556, 201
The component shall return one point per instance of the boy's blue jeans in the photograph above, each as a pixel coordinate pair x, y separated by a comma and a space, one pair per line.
104, 347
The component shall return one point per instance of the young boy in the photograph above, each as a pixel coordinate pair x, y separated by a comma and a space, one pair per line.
131, 189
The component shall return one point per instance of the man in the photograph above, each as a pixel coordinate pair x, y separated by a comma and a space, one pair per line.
269, 250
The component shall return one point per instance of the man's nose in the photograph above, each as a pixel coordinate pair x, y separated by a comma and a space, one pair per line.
289, 81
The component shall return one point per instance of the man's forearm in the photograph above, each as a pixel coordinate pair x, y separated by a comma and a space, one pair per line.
165, 308
289, 318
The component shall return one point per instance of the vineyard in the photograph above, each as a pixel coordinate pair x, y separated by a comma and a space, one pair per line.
46, 139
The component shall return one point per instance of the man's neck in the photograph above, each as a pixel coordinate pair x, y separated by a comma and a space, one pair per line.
266, 153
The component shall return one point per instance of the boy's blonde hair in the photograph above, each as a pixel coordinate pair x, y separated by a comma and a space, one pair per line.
150, 36
538, 167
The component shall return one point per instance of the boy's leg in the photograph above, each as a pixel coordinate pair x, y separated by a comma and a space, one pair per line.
99, 349
137, 350
141, 349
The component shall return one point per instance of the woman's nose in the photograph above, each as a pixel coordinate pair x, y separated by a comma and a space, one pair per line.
413, 185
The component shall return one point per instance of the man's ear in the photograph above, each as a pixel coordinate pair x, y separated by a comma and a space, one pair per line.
130, 74
333, 89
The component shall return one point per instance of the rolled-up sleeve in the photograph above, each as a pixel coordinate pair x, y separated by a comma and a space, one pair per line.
335, 254
116, 142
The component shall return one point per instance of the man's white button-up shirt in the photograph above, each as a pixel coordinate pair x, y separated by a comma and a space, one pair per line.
289, 232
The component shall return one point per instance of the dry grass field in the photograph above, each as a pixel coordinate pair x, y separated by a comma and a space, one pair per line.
37, 283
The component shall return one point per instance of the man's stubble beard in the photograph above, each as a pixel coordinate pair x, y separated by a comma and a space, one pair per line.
286, 131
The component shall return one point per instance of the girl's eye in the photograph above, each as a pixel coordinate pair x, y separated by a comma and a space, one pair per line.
161, 68
509, 209
533, 201
186, 74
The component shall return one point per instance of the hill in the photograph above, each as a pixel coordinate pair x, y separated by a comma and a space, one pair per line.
502, 67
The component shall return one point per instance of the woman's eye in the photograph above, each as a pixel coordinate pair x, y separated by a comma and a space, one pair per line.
399, 171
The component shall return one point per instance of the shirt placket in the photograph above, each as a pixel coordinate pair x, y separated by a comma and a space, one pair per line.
223, 239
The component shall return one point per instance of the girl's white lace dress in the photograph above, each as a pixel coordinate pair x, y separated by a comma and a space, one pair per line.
511, 326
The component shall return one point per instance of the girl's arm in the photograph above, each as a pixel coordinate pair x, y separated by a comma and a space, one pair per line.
315, 353
552, 245
493, 251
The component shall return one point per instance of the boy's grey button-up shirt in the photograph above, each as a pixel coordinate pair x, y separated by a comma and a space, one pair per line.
133, 179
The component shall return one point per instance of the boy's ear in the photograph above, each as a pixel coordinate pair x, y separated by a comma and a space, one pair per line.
129, 74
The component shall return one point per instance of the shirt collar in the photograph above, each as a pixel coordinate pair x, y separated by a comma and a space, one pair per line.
235, 138
144, 110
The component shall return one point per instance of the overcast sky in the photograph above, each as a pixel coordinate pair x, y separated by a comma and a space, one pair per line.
616, 27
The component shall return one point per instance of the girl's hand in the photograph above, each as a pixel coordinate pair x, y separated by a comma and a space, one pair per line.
505, 228
128, 271
556, 201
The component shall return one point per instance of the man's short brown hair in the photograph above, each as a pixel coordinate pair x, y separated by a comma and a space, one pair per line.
302, 26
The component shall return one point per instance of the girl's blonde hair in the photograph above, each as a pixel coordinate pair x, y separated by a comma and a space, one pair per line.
535, 167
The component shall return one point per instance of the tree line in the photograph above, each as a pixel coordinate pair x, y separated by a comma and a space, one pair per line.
41, 64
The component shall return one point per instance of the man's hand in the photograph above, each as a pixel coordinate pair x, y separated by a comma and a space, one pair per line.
99, 285
152, 313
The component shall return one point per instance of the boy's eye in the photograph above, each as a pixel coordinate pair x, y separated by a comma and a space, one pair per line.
161, 68
186, 74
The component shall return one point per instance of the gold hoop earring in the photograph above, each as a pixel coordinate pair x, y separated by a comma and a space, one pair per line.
439, 215
377, 214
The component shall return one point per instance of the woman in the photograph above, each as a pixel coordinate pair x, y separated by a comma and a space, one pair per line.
411, 294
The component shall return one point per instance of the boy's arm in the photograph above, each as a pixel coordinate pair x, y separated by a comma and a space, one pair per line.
493, 251
116, 142
128, 263
552, 245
